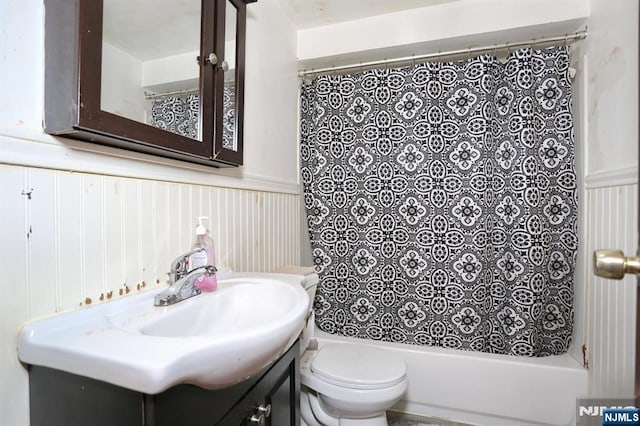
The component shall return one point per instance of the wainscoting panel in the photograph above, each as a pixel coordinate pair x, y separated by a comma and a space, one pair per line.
611, 305
73, 239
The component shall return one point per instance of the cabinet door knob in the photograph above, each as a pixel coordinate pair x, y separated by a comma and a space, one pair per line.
212, 59
257, 420
225, 66
613, 264
264, 409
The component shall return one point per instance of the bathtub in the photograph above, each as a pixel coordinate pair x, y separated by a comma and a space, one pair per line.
485, 389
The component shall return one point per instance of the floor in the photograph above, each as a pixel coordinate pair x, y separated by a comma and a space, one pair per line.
401, 419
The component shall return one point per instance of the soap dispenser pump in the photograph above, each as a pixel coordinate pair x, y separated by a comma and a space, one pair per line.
205, 257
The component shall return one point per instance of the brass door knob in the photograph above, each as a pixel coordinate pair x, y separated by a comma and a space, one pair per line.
614, 265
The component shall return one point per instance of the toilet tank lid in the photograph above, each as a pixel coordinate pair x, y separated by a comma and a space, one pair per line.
310, 280
358, 366
308, 277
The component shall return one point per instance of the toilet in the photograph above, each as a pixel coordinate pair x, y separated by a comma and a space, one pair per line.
346, 384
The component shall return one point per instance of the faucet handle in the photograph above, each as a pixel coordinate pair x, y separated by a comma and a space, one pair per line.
179, 267
210, 270
184, 288
187, 287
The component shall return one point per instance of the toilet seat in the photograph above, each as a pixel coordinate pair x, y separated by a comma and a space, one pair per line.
355, 366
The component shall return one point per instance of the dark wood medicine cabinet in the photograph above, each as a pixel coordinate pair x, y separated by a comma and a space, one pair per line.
165, 79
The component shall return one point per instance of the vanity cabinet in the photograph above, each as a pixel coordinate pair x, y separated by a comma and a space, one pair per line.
163, 77
271, 398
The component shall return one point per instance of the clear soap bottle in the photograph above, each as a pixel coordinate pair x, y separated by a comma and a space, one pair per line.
206, 257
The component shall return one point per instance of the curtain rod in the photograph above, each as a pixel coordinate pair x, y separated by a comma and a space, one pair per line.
567, 39
150, 96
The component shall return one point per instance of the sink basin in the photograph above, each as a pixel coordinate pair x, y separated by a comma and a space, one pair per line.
212, 340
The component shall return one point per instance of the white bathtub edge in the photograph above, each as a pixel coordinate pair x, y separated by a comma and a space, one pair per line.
486, 389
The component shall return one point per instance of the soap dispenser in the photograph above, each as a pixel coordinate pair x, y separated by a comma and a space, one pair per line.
205, 257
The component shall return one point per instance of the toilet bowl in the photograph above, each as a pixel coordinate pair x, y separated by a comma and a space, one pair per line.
345, 384
349, 384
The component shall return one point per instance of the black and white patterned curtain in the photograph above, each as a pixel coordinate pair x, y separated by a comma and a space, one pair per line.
177, 114
180, 114
441, 202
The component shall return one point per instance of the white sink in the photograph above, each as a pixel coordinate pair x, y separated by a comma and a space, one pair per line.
212, 340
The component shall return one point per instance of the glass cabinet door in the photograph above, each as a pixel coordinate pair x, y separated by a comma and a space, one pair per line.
129, 59
229, 84
163, 77
152, 74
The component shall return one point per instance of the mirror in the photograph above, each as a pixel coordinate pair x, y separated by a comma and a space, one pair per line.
229, 137
150, 70
148, 76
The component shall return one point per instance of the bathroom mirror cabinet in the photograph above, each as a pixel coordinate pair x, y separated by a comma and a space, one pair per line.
162, 77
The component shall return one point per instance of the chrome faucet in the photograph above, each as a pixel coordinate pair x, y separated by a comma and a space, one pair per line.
180, 266
182, 283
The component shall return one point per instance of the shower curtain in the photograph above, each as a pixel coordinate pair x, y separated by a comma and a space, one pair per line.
177, 114
441, 202
180, 114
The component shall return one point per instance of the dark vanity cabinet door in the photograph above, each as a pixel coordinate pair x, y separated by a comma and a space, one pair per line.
58, 398
78, 72
274, 394
274, 400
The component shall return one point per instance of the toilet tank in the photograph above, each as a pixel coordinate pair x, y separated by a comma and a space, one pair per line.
309, 280
310, 284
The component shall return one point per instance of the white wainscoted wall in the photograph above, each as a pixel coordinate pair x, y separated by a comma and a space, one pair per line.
83, 238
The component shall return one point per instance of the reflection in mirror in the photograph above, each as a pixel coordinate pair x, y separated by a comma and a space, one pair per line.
150, 72
229, 136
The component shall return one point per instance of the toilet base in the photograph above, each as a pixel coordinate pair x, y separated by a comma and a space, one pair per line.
372, 421
313, 414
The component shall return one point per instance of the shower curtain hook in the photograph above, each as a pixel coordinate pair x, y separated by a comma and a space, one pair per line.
566, 39
469, 53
